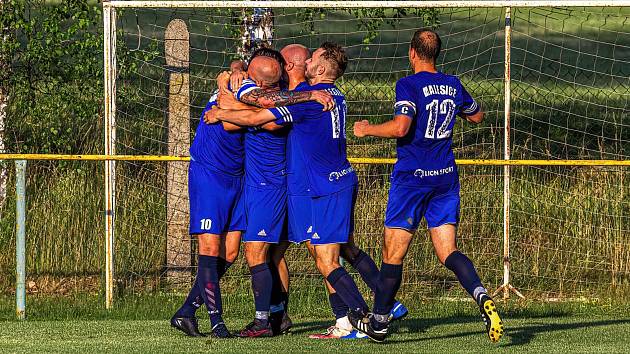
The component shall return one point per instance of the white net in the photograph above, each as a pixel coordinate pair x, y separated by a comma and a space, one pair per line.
570, 79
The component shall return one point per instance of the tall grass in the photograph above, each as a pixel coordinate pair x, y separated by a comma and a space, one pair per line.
569, 226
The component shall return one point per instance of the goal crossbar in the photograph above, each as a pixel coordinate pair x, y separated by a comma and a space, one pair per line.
365, 4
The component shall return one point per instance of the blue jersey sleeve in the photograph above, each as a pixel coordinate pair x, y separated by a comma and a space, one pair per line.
469, 106
247, 86
405, 99
288, 114
211, 103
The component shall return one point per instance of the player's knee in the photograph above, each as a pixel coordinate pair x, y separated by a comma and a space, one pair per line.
327, 266
443, 255
231, 254
394, 255
208, 245
255, 254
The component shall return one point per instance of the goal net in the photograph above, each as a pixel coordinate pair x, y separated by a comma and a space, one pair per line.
570, 88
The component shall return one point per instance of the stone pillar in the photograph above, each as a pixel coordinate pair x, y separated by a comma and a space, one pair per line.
178, 244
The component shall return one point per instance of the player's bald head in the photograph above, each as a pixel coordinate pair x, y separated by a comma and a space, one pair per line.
296, 54
265, 69
427, 44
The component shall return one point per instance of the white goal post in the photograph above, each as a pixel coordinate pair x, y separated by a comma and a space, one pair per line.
110, 73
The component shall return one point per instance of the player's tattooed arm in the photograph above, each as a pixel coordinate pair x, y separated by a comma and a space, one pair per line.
269, 98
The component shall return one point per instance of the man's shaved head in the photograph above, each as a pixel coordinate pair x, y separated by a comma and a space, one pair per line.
296, 54
265, 70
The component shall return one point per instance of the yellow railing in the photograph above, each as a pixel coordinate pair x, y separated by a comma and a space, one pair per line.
357, 160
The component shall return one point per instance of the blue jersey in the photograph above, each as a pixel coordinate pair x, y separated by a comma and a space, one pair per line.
265, 151
297, 183
432, 101
217, 149
319, 139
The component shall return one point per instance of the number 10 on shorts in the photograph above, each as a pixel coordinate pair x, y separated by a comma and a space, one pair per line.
206, 224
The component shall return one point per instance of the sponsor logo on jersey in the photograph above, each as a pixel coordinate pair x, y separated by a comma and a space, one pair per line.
262, 233
333, 176
315, 236
432, 173
310, 229
410, 221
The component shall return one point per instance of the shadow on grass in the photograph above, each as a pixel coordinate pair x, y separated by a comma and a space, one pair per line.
515, 336
420, 325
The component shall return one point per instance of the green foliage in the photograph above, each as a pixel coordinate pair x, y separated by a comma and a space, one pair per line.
371, 20
53, 76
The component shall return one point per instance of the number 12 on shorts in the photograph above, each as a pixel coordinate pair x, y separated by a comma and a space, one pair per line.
436, 108
206, 224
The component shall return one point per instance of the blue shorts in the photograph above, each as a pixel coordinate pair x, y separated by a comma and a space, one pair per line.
333, 217
300, 218
266, 213
438, 204
215, 201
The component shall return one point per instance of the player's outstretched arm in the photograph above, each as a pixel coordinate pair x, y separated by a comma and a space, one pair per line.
269, 98
244, 118
393, 129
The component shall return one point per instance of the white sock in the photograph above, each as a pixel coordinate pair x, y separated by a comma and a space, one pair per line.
344, 323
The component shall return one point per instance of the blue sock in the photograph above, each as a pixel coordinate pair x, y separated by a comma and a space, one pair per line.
367, 269
192, 302
465, 271
223, 266
262, 285
339, 308
389, 280
279, 297
343, 284
208, 284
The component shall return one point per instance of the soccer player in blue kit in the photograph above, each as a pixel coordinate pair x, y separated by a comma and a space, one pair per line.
332, 181
264, 195
424, 182
299, 201
216, 218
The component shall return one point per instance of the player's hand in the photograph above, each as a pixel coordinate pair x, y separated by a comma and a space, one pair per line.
360, 128
223, 80
211, 116
324, 98
236, 79
226, 100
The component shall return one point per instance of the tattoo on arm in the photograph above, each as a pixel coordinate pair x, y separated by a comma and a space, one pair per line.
269, 98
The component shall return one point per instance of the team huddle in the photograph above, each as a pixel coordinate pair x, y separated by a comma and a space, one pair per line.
269, 168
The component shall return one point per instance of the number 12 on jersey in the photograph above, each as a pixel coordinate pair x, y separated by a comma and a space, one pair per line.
437, 109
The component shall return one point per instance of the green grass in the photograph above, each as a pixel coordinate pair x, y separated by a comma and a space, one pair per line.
140, 324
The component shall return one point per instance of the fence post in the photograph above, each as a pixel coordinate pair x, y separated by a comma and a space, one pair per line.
109, 53
506, 286
178, 246
20, 238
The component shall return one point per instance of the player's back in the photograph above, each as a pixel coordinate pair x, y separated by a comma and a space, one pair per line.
319, 139
425, 155
265, 158
217, 149
265, 151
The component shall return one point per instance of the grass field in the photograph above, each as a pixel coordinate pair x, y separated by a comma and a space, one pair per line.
141, 325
